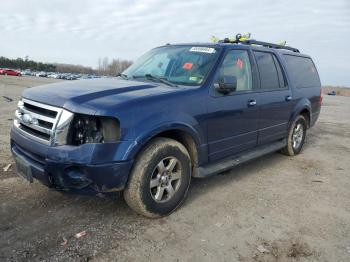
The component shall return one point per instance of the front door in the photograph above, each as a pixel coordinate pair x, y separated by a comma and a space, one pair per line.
233, 118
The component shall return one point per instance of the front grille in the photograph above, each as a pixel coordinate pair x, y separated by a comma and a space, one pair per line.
40, 110
37, 120
34, 132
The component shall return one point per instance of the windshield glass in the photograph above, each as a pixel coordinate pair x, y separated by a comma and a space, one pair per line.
183, 65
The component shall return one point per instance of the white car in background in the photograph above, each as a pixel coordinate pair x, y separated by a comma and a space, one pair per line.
51, 75
26, 72
41, 74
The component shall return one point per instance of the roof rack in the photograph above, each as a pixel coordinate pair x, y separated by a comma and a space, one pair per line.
269, 45
244, 40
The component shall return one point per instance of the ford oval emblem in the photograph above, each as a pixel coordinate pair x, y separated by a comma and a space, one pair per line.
28, 119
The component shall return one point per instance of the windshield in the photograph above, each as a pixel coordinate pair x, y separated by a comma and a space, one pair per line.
183, 65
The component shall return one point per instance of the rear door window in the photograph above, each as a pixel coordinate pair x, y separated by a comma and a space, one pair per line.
281, 75
267, 70
302, 71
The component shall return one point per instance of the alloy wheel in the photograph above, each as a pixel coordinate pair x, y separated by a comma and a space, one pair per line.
166, 179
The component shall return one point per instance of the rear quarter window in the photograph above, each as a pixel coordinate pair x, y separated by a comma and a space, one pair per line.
302, 71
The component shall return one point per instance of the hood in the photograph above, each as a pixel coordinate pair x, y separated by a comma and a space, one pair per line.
94, 94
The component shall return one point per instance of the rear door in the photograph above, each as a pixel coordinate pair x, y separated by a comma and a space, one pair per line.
232, 120
276, 101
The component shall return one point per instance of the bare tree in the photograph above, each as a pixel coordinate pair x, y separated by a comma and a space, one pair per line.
113, 68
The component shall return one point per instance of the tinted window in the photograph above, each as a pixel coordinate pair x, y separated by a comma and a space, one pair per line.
236, 63
302, 71
267, 71
281, 76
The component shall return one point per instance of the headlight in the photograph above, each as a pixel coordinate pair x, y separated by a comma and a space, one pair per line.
61, 133
94, 129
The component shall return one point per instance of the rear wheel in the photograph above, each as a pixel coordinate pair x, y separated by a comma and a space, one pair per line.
160, 178
296, 136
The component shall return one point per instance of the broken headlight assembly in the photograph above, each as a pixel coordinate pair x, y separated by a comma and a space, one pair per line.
94, 129
61, 131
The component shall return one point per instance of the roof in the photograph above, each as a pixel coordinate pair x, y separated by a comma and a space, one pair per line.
246, 44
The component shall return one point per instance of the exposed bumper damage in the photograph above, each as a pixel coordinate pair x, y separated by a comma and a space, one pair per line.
87, 175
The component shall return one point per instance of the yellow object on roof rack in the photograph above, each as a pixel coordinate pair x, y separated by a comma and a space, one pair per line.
236, 39
245, 40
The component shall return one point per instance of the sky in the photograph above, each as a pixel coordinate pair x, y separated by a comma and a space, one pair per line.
81, 31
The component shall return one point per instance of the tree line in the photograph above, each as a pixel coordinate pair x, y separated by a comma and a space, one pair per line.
20, 63
105, 67
114, 67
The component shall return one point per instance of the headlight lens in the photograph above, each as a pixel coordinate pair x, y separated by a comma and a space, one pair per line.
61, 134
94, 129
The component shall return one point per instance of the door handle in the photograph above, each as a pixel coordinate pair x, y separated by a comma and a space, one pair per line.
252, 102
288, 98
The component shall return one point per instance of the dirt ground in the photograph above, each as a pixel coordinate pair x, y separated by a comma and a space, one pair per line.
340, 91
275, 208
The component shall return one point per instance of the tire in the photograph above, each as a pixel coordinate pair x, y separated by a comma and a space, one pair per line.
296, 136
167, 164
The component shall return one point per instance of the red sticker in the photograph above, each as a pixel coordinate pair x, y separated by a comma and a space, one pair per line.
187, 66
239, 63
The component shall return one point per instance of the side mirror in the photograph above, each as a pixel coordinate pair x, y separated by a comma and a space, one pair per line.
226, 85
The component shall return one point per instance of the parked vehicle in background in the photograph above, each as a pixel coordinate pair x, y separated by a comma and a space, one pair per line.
53, 75
10, 72
180, 111
71, 77
57, 75
26, 72
41, 74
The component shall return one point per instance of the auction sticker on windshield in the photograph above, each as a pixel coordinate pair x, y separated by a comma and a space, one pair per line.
203, 49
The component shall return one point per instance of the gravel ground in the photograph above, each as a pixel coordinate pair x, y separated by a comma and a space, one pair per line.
275, 208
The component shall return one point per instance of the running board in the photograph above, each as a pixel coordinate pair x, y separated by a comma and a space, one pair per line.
228, 163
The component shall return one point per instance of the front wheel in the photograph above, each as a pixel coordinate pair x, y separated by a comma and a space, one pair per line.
296, 136
160, 178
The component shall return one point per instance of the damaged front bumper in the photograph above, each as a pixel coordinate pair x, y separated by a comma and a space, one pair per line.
91, 169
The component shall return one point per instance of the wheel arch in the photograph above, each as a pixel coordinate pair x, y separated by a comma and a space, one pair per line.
178, 132
302, 108
307, 115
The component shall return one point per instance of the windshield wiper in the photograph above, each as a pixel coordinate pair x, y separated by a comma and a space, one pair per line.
155, 78
124, 76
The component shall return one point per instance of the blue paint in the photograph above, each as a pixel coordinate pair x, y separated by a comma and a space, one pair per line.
220, 125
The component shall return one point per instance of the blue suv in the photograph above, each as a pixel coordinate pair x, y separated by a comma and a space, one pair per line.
180, 111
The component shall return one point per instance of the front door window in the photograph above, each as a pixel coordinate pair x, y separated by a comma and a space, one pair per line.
236, 63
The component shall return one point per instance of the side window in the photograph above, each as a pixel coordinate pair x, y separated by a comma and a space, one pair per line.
302, 71
267, 70
236, 63
281, 75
